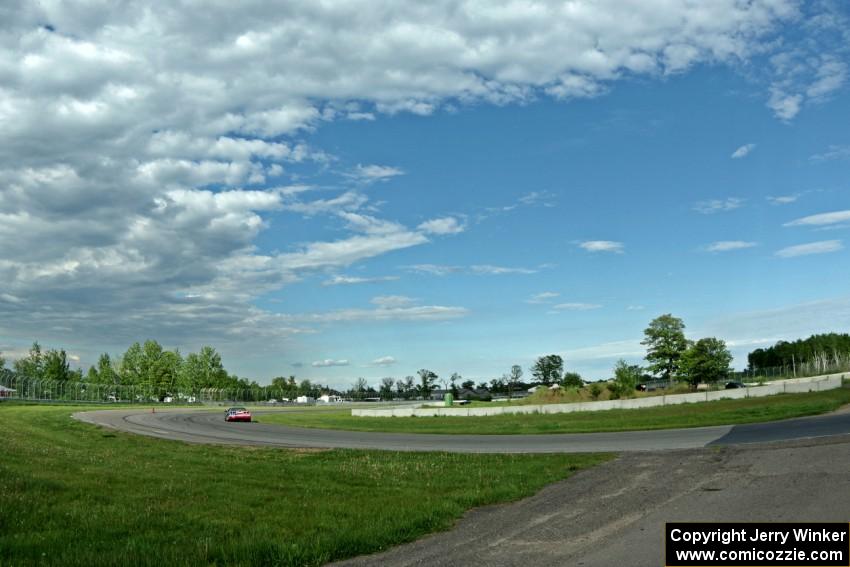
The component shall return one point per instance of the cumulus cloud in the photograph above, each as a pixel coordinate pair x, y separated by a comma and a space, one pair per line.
156, 215
821, 247
822, 219
602, 246
728, 245
328, 362
743, 151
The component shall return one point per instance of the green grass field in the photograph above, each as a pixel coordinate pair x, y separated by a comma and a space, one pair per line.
74, 494
720, 412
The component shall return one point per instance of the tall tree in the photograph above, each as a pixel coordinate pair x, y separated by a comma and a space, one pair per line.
453, 380
130, 365
514, 378
203, 370
707, 360
55, 366
427, 379
104, 372
665, 344
32, 365
359, 388
386, 388
548, 369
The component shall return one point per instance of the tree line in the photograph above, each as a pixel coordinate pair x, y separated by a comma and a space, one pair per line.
155, 370
829, 346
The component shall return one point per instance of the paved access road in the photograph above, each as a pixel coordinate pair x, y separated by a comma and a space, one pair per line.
207, 426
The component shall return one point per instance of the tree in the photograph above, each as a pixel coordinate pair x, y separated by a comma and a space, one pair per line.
203, 370
454, 379
386, 388
707, 360
409, 387
130, 365
595, 390
514, 378
666, 343
2, 362
626, 377
427, 379
548, 369
32, 365
105, 372
468, 385
572, 380
358, 388
55, 366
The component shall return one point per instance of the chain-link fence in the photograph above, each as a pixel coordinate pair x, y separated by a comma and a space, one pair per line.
19, 387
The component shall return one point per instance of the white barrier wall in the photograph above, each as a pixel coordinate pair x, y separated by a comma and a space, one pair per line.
795, 385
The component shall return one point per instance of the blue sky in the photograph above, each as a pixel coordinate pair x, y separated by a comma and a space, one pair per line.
410, 194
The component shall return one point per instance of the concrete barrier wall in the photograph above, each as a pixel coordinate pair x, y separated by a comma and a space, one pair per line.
795, 385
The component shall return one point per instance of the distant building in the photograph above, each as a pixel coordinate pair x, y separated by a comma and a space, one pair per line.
7, 392
305, 400
330, 399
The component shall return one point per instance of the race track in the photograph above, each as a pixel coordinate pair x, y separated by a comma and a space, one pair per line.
207, 426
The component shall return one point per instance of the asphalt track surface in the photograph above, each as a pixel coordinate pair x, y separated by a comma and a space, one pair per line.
206, 426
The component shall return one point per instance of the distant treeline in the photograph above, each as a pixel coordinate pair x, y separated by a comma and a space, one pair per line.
827, 346
158, 372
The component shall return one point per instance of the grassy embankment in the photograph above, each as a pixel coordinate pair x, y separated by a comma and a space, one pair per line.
74, 494
721, 412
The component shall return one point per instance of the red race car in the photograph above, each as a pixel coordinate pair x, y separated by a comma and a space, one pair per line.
237, 414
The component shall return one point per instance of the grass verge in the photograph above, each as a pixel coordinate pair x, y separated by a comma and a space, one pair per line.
721, 412
74, 494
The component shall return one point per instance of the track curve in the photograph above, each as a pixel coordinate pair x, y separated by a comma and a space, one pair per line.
206, 426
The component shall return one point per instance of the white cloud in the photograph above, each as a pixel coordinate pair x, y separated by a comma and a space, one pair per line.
373, 173
328, 362
821, 219
821, 247
718, 205
476, 269
150, 216
384, 361
743, 151
434, 269
543, 297
833, 152
392, 301
411, 313
490, 270
635, 308
783, 199
352, 280
444, 225
727, 245
602, 246
576, 306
